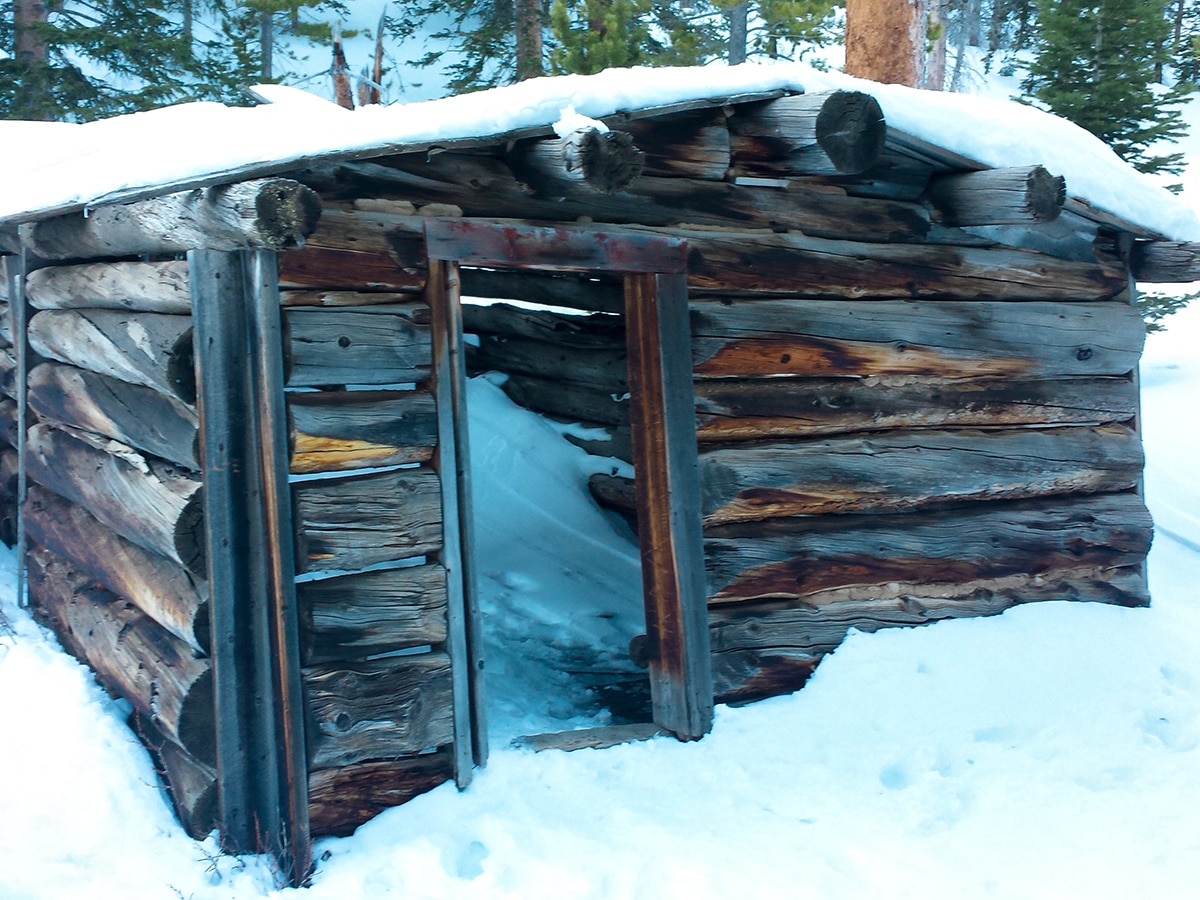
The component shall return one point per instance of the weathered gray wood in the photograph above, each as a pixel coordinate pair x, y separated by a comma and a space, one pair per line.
746, 409
8, 371
668, 494
9, 486
1027, 195
340, 347
831, 559
8, 421
336, 298
343, 798
944, 339
150, 503
358, 521
355, 616
571, 402
740, 676
596, 330
817, 267
379, 709
160, 287
909, 470
686, 145
337, 430
139, 416
150, 349
191, 784
1165, 262
841, 132
6, 327
604, 162
132, 655
160, 588
270, 213
464, 643
602, 369
358, 250
591, 738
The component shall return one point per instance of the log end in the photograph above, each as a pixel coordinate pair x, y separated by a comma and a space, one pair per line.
610, 161
851, 130
1045, 194
287, 212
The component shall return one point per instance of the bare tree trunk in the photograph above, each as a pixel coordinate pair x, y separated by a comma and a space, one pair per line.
267, 41
737, 34
932, 53
528, 19
974, 22
886, 40
28, 45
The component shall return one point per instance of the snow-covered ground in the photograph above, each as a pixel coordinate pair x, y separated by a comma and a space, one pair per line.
1051, 752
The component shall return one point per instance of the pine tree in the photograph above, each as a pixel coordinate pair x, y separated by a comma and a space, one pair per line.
1096, 66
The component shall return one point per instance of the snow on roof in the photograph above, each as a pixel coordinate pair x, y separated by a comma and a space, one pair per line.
55, 167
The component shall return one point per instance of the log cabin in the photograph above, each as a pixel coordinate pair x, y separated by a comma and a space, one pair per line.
865, 378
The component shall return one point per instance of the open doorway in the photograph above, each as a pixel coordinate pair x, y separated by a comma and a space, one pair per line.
663, 452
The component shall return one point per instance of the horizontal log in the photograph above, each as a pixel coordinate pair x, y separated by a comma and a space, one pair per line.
382, 708
6, 326
271, 213
358, 250
336, 298
135, 415
599, 369
910, 470
741, 676
8, 369
355, 616
389, 345
841, 132
192, 785
1165, 262
593, 331
160, 287
339, 430
819, 267
9, 466
603, 162
153, 504
1027, 195
150, 349
598, 738
747, 409
355, 522
817, 630
160, 588
341, 799
830, 559
8, 421
567, 401
685, 145
131, 654
943, 339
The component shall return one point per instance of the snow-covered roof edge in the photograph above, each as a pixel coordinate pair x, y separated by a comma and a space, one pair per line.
62, 167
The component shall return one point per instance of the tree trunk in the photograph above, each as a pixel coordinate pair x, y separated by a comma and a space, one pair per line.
29, 45
886, 41
737, 34
528, 16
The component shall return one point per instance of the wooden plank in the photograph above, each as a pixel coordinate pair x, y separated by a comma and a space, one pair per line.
910, 470
358, 250
270, 213
593, 331
338, 298
464, 642
338, 430
160, 287
340, 347
747, 409
151, 349
141, 417
827, 559
668, 492
163, 590
557, 249
132, 655
355, 616
590, 738
378, 709
343, 798
551, 288
358, 521
944, 339
150, 503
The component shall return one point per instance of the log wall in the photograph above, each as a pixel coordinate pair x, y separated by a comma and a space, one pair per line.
115, 523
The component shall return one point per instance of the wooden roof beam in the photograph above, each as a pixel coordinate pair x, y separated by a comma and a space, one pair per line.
836, 133
1025, 195
605, 162
1165, 262
269, 213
